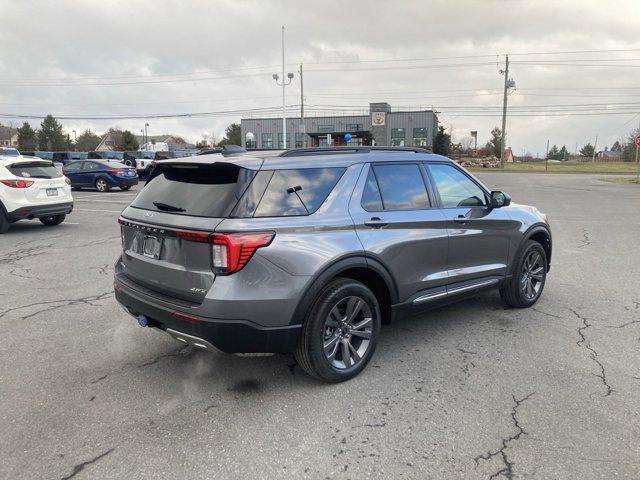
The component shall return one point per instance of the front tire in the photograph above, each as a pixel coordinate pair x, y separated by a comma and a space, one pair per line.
340, 332
52, 220
102, 185
524, 288
4, 222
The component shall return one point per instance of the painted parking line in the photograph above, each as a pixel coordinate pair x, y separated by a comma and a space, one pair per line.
126, 202
92, 210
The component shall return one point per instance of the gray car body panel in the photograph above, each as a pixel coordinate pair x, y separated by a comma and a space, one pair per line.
417, 251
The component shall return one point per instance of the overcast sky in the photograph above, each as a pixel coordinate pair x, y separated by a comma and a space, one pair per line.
91, 58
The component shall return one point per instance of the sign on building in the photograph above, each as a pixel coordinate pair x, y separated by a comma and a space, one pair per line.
378, 119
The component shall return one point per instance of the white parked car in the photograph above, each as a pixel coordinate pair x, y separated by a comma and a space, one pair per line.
31, 188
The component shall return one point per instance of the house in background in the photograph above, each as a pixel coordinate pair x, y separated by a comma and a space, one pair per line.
8, 136
173, 142
508, 155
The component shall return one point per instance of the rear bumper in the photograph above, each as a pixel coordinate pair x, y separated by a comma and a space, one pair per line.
35, 211
122, 181
231, 336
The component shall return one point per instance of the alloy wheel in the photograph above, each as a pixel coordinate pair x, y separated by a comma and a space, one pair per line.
101, 185
532, 275
347, 332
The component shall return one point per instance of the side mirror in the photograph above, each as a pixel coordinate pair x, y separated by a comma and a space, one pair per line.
500, 199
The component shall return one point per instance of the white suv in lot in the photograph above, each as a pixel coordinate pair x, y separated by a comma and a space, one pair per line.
31, 188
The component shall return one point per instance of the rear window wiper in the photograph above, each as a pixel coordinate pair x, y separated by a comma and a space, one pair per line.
170, 208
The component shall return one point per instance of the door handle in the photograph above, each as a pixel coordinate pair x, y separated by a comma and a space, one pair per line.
375, 222
461, 219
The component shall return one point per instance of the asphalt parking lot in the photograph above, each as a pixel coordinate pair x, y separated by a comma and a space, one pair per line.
472, 390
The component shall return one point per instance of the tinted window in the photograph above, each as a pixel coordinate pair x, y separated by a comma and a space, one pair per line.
297, 192
401, 187
455, 188
91, 165
199, 190
371, 200
34, 170
72, 167
249, 201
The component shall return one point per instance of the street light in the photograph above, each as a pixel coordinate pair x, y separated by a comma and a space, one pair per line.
276, 77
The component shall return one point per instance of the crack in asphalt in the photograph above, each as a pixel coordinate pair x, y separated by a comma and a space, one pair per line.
586, 240
174, 353
16, 256
507, 471
625, 324
55, 304
546, 313
80, 466
593, 354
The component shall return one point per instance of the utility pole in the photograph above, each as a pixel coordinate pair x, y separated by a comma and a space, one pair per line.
302, 125
505, 72
546, 157
595, 145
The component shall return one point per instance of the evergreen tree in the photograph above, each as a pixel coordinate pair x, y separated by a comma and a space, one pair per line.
50, 135
27, 138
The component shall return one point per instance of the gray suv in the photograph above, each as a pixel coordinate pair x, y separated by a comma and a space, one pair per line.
311, 250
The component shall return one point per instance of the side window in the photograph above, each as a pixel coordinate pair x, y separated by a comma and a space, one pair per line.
72, 167
297, 192
371, 199
401, 187
455, 188
90, 166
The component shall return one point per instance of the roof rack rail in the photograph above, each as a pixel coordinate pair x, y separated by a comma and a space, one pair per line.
298, 152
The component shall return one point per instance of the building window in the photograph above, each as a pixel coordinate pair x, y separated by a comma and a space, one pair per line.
354, 127
326, 128
267, 140
251, 144
281, 146
397, 137
419, 137
298, 140
355, 142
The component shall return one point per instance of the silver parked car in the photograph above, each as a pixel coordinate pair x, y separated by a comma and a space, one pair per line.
311, 250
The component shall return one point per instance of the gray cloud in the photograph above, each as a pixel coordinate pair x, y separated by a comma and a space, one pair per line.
99, 39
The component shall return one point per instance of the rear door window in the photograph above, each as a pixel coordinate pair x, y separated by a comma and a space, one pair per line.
211, 190
34, 170
399, 185
297, 192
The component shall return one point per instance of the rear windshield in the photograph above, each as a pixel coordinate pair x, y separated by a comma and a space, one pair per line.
34, 170
192, 189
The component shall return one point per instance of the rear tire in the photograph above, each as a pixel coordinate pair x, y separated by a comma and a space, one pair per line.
52, 220
4, 222
102, 185
340, 331
524, 288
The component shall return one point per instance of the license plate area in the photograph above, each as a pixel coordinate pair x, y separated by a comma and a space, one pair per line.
52, 192
151, 246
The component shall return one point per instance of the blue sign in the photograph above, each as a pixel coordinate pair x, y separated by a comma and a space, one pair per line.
347, 136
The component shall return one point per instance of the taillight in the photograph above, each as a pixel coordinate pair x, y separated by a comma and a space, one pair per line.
232, 251
66, 179
17, 183
113, 170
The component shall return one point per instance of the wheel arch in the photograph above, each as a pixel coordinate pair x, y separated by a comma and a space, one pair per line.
539, 233
361, 268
